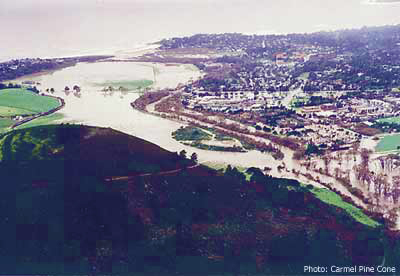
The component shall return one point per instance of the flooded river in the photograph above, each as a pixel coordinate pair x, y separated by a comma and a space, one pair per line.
95, 107
92, 106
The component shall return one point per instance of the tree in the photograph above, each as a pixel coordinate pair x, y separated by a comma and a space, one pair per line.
193, 157
76, 88
33, 89
312, 148
182, 154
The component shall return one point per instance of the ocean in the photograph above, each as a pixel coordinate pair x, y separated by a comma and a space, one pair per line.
48, 28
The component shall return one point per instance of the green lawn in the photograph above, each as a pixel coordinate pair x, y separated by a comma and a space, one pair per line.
334, 199
128, 85
22, 101
395, 120
389, 143
45, 120
12, 111
4, 124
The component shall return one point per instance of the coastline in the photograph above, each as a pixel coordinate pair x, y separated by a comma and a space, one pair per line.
35, 67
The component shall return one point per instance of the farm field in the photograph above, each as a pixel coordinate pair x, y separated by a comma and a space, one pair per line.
389, 143
22, 101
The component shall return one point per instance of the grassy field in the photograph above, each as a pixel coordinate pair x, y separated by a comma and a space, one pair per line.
21, 101
389, 143
4, 124
332, 198
45, 120
12, 111
190, 133
395, 120
127, 85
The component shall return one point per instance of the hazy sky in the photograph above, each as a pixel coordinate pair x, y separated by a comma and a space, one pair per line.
57, 27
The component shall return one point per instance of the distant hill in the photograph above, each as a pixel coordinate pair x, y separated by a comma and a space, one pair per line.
59, 215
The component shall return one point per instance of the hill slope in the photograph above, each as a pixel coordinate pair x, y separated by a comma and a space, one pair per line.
60, 216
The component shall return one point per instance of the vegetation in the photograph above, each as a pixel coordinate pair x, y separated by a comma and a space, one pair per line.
333, 199
45, 120
63, 200
22, 101
5, 124
190, 133
395, 120
312, 149
389, 143
202, 146
17, 68
128, 85
388, 125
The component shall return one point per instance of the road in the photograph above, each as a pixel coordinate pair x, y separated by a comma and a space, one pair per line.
130, 177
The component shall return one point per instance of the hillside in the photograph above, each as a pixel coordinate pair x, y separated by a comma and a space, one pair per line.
60, 216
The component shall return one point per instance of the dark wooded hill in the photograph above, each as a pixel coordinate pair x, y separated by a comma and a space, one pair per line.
59, 215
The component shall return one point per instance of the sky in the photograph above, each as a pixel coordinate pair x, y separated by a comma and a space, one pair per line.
58, 27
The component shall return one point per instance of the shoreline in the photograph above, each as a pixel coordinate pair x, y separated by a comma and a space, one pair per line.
57, 63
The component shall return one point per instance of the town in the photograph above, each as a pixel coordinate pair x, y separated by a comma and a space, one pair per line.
330, 89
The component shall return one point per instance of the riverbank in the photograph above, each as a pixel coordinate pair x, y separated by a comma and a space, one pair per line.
15, 69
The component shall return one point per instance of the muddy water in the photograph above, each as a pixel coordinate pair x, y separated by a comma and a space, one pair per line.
112, 109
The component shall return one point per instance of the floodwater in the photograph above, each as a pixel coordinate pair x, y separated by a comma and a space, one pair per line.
92, 106
112, 109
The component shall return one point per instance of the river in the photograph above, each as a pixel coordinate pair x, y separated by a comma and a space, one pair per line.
112, 109
94, 107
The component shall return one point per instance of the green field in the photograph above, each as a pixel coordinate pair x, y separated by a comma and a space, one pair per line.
389, 143
45, 120
21, 101
394, 120
128, 85
12, 111
4, 124
190, 133
332, 198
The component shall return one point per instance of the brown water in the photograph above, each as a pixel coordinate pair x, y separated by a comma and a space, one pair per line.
112, 109
106, 109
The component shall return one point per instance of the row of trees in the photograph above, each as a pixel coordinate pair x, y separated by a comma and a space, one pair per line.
9, 86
